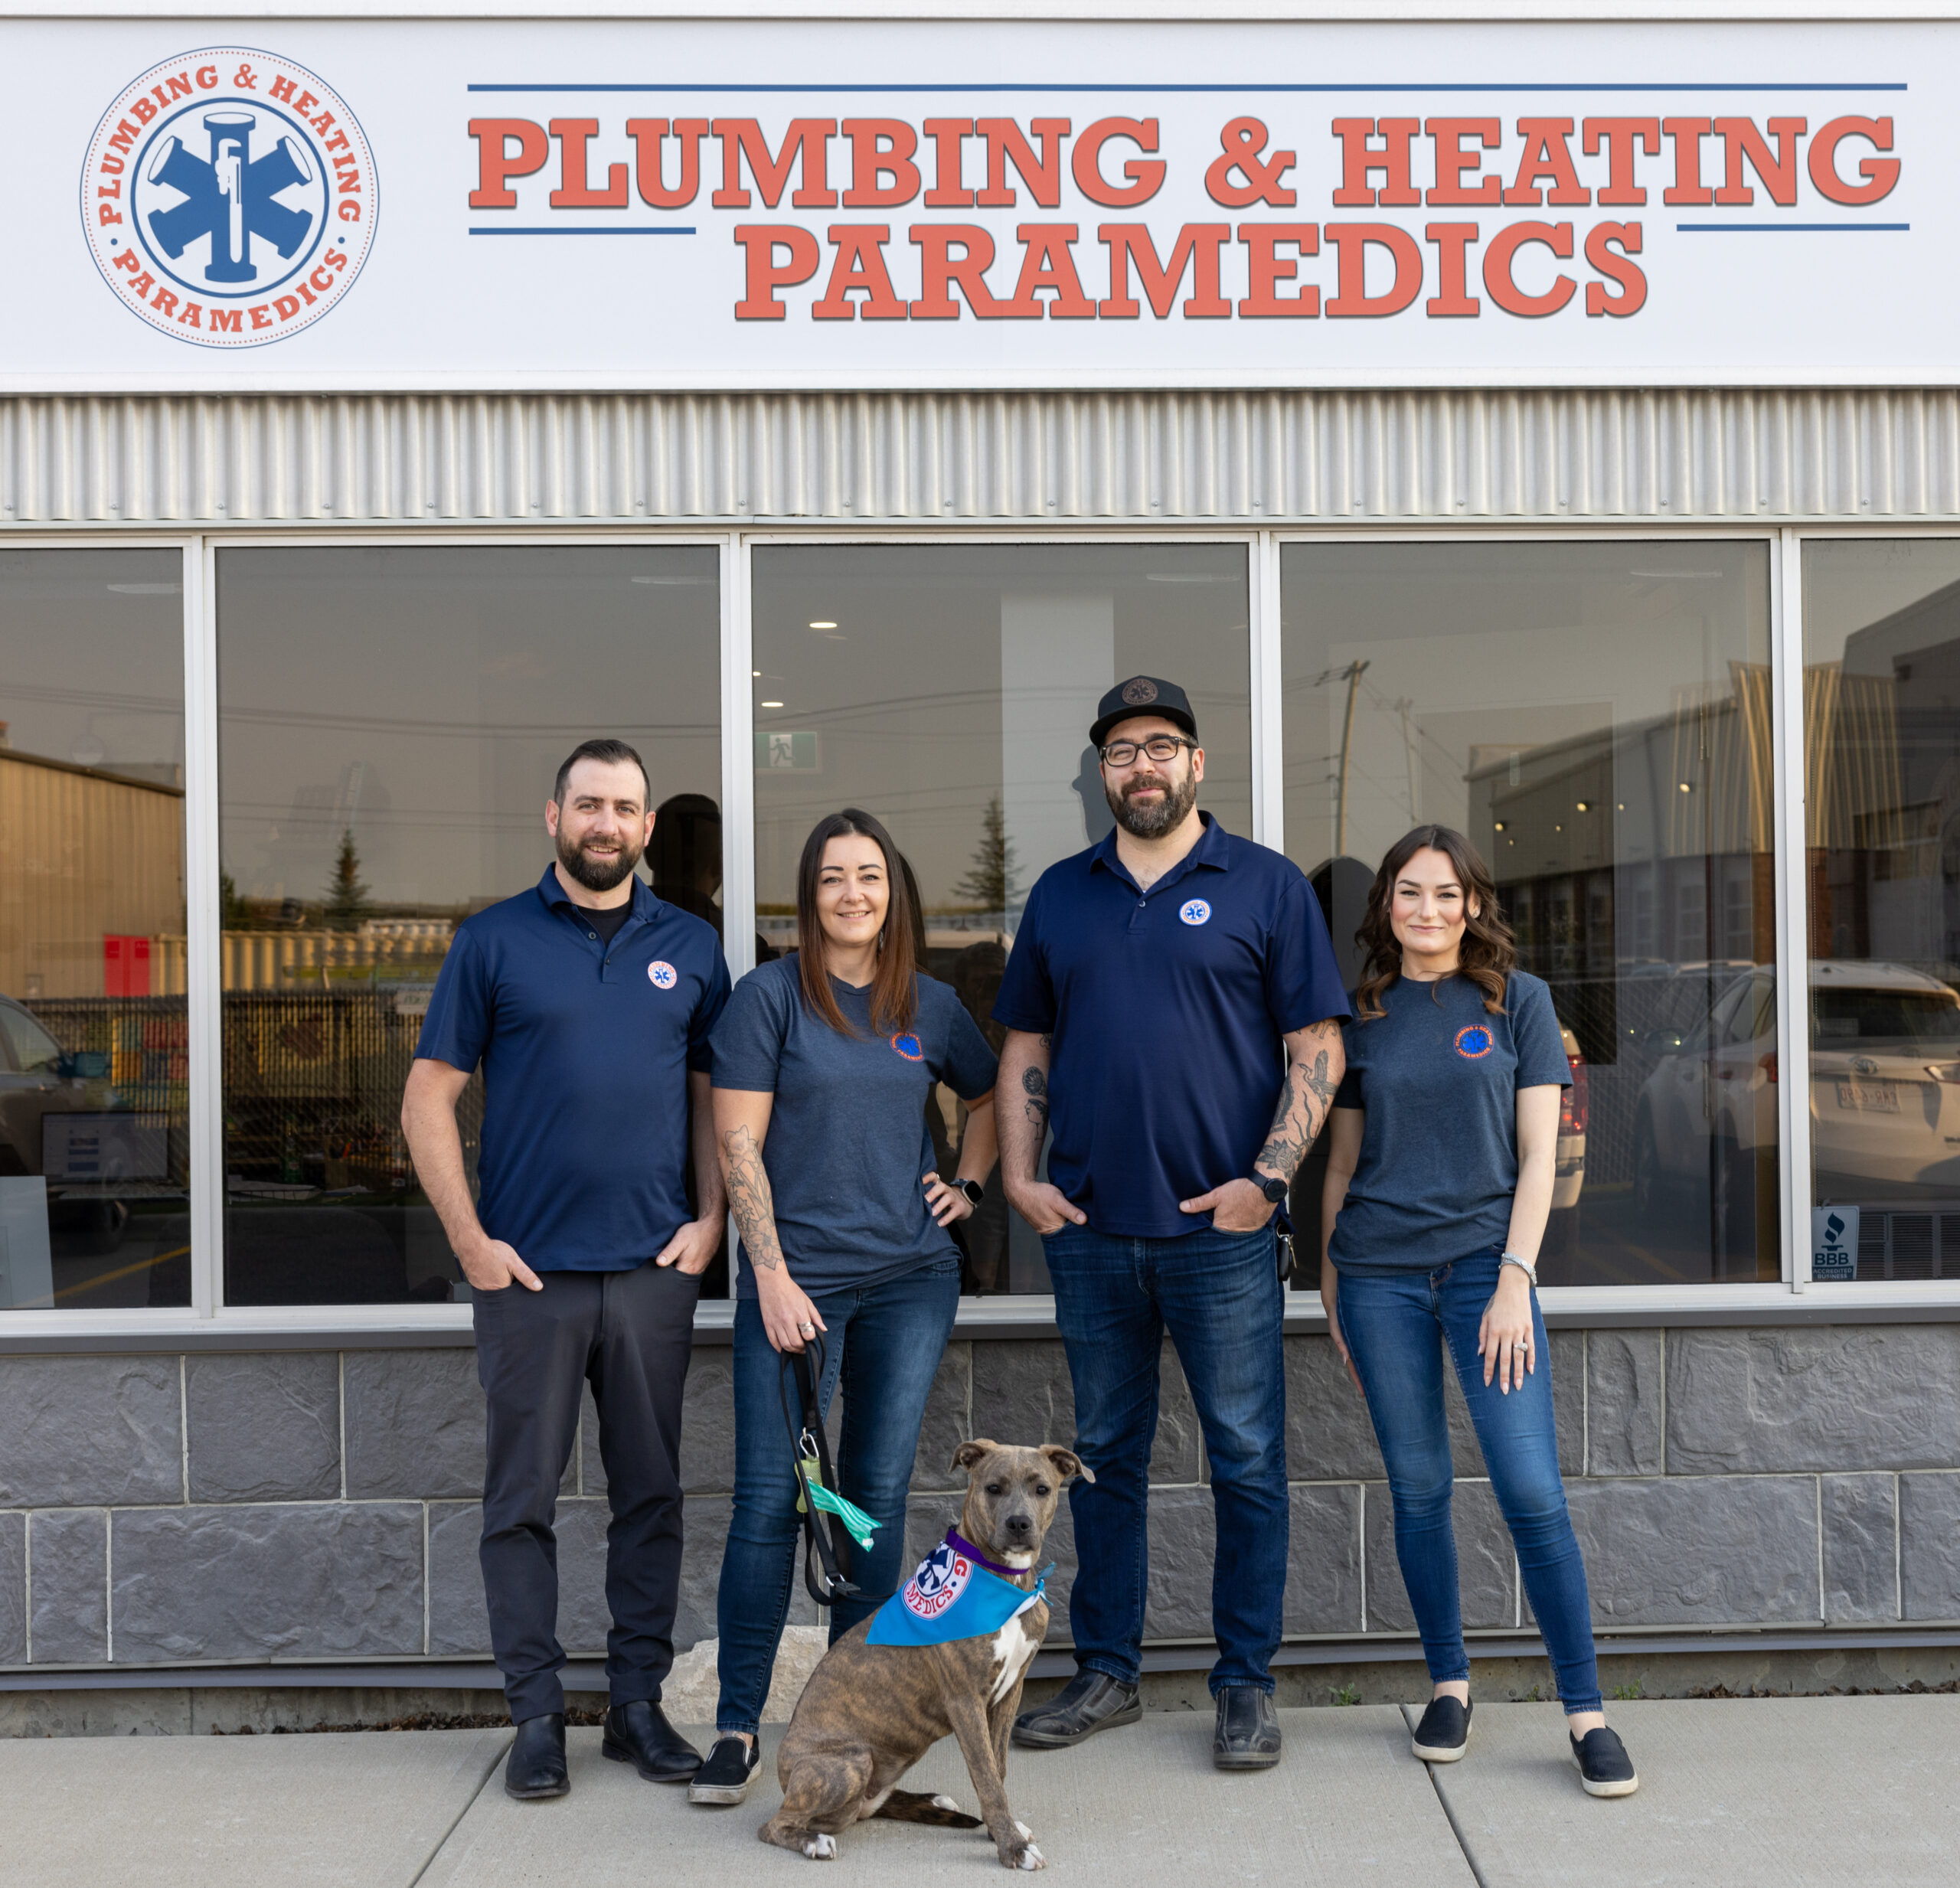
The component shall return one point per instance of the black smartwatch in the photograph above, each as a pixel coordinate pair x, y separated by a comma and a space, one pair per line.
975, 1192
1274, 1189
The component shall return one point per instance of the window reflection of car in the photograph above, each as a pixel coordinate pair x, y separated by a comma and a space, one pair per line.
1568, 1169
1884, 1101
38, 1078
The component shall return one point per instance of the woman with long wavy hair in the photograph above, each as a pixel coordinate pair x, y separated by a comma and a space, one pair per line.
1440, 1151
824, 1062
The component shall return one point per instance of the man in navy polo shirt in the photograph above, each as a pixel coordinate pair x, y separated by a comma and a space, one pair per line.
1172, 997
588, 1002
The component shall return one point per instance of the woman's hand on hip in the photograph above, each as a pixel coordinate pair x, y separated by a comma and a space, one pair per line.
789, 1319
1505, 1339
1330, 1287
945, 1201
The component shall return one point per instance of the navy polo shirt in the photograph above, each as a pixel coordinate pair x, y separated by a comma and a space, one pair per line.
1166, 1009
586, 1047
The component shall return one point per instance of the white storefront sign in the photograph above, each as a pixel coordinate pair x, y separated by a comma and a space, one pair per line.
511, 204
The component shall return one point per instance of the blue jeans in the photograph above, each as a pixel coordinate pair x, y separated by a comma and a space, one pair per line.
1218, 1296
883, 1343
1392, 1326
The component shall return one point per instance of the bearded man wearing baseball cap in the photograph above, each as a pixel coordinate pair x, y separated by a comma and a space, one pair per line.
1174, 1013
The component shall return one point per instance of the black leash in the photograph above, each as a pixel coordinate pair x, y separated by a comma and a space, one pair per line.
826, 1546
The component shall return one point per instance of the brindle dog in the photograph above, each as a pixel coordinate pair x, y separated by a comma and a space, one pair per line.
870, 1712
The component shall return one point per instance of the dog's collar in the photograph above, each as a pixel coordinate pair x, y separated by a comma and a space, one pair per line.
962, 1546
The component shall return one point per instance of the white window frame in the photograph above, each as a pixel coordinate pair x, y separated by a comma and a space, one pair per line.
205, 1318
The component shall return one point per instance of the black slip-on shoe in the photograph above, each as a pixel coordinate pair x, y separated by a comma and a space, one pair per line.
1091, 1701
1605, 1769
724, 1778
1247, 1737
537, 1765
1444, 1732
639, 1734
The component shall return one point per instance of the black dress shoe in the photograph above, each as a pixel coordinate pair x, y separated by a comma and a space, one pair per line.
1091, 1701
639, 1734
1247, 1737
536, 1765
724, 1779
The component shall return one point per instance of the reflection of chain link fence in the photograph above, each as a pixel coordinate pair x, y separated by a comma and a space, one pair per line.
134, 1054
313, 1082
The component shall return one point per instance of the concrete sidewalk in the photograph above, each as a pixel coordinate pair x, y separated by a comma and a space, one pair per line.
1788, 1790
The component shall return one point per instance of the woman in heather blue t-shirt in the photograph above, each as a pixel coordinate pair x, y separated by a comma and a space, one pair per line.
1440, 1150
824, 1064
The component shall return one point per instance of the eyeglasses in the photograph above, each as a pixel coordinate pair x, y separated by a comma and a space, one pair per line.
1159, 747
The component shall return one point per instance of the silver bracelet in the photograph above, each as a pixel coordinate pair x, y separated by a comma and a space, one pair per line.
1511, 1259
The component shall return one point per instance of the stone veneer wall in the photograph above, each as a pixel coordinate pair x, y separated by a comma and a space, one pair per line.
322, 1505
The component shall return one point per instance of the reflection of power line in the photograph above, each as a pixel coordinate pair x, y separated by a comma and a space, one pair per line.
1352, 675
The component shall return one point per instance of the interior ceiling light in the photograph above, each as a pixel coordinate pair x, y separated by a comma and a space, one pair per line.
1584, 806
772, 705
1685, 787
1501, 825
824, 625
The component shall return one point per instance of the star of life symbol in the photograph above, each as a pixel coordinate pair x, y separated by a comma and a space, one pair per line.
229, 198
1195, 911
941, 1578
661, 974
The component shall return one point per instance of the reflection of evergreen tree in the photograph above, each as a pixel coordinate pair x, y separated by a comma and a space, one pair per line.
236, 912
347, 895
991, 883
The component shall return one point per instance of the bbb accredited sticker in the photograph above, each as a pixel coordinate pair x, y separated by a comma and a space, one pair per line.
228, 196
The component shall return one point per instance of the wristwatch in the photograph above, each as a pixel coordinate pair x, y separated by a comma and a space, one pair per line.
974, 1190
1274, 1188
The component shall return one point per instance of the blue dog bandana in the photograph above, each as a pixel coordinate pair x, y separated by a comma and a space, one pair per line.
954, 1595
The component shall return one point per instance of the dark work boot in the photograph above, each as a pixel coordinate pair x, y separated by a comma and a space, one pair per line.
1091, 1701
639, 1734
536, 1765
1247, 1737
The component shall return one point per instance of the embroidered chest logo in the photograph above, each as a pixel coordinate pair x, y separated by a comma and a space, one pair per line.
909, 1046
662, 975
1195, 911
1474, 1039
941, 1578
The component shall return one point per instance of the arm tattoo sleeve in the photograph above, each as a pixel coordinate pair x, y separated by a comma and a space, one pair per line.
1035, 1086
749, 1198
1303, 1102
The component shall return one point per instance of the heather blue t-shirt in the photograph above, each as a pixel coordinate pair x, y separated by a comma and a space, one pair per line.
1438, 1076
848, 1149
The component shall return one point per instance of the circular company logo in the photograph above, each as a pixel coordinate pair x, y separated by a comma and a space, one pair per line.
910, 1046
229, 198
940, 1579
1140, 691
661, 975
1195, 911
1473, 1040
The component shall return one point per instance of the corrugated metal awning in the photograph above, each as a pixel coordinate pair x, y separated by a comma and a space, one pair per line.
1216, 459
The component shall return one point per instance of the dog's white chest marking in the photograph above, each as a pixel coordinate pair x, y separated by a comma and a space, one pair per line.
1013, 1648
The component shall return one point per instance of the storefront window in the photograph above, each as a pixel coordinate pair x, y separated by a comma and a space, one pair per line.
390, 723
94, 1071
1882, 808
1596, 718
949, 690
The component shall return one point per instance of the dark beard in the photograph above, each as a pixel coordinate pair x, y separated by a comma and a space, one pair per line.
1170, 812
598, 874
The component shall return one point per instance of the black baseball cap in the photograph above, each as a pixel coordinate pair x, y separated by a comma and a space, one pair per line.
1142, 694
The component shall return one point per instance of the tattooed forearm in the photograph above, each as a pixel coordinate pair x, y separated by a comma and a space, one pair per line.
1035, 1086
749, 1198
1304, 1103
